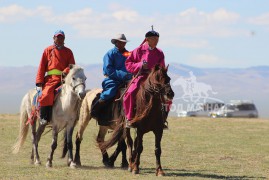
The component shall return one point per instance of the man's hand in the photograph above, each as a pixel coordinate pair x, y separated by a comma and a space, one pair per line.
39, 84
145, 64
64, 74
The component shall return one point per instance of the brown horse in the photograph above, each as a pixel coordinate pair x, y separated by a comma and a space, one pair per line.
114, 109
149, 116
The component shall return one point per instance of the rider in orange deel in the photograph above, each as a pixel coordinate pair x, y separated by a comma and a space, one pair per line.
54, 63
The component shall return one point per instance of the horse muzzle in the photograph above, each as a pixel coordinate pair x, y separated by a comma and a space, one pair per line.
82, 94
170, 95
80, 90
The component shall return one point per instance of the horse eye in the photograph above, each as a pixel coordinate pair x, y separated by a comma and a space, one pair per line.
74, 78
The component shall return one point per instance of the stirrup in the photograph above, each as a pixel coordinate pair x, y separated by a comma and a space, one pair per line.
43, 122
128, 124
165, 125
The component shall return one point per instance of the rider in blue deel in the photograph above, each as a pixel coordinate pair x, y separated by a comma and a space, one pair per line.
114, 71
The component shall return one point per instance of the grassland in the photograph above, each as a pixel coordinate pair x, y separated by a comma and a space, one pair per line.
193, 148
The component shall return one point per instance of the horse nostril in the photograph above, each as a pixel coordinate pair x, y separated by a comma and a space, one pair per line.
82, 94
171, 94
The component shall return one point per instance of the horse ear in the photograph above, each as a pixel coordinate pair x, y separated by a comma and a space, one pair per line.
167, 67
71, 66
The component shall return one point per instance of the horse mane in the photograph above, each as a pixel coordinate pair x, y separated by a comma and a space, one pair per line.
73, 70
147, 92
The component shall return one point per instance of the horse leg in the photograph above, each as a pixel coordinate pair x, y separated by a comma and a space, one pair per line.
120, 148
130, 148
64, 152
138, 150
124, 162
158, 152
100, 139
33, 128
133, 156
70, 161
84, 120
53, 147
37, 137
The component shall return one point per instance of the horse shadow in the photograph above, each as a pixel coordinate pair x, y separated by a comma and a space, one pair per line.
196, 174
86, 167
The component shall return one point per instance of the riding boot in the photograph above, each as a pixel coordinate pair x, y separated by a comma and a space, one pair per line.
45, 114
165, 122
128, 124
97, 107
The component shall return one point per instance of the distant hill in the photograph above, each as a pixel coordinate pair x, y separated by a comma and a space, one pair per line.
227, 84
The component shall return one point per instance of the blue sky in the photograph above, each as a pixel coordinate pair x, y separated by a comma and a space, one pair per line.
201, 33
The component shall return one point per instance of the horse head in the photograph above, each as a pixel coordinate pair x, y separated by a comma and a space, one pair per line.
160, 81
76, 80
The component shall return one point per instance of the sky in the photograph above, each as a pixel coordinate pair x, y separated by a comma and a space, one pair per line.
200, 33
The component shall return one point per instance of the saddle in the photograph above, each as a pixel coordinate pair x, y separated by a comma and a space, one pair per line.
107, 113
36, 106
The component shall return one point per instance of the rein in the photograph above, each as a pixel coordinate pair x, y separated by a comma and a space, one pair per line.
156, 88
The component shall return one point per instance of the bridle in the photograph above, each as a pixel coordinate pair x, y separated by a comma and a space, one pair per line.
82, 83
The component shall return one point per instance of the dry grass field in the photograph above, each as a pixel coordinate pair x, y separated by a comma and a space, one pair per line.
193, 148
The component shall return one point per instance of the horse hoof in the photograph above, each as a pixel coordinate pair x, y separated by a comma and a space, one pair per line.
135, 172
37, 163
48, 164
160, 173
129, 169
110, 164
124, 165
73, 165
78, 164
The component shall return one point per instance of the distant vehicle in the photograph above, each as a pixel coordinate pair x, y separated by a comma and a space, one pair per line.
205, 109
198, 113
182, 114
236, 109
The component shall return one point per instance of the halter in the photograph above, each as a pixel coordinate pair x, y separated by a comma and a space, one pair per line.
78, 85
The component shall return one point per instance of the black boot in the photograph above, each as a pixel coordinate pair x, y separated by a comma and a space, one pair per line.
96, 107
165, 123
45, 114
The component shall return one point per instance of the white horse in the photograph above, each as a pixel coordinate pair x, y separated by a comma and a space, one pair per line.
65, 112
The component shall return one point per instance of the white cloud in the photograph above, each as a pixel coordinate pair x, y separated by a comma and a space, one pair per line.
193, 16
14, 13
206, 59
89, 23
260, 20
176, 42
131, 16
223, 16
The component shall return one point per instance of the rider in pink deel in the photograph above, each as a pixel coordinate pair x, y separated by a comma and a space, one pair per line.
141, 61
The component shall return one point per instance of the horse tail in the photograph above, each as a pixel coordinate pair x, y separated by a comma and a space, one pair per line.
118, 135
23, 126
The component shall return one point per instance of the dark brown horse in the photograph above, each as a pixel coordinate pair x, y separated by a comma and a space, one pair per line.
149, 116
